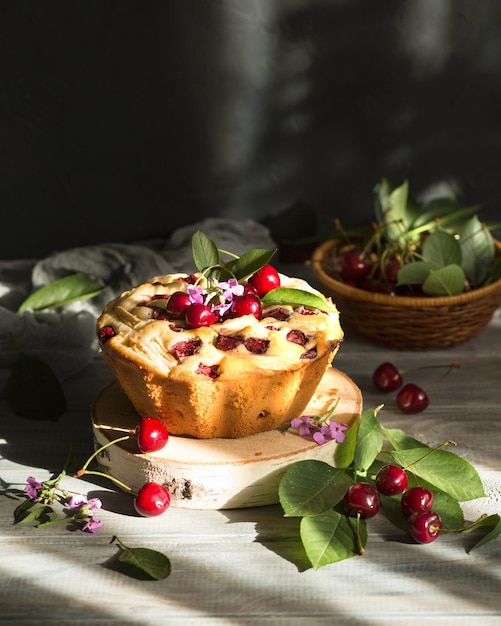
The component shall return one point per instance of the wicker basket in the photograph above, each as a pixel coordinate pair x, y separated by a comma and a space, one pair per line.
408, 323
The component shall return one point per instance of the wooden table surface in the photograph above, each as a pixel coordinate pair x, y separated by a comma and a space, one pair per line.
241, 566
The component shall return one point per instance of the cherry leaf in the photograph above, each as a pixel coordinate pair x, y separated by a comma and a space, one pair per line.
249, 262
311, 487
61, 292
331, 537
477, 249
369, 441
345, 451
445, 470
33, 390
493, 521
415, 273
287, 295
141, 562
442, 249
205, 252
400, 440
446, 281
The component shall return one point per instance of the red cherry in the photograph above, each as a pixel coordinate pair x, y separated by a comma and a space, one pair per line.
197, 315
386, 377
177, 304
152, 500
247, 305
249, 289
424, 526
151, 434
416, 499
412, 399
354, 266
361, 498
264, 280
391, 480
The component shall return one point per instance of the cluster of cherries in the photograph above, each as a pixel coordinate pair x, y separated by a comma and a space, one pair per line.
153, 498
359, 271
410, 399
197, 314
362, 498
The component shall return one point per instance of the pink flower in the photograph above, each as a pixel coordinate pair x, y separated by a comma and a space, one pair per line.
92, 525
330, 432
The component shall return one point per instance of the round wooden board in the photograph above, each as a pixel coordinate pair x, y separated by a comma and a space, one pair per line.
218, 473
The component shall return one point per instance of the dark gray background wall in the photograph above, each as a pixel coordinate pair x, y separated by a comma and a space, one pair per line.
123, 120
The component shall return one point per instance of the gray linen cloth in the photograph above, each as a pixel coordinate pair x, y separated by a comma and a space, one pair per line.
65, 337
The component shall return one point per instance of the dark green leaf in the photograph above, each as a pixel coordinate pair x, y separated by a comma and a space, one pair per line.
286, 295
415, 273
41, 514
444, 211
249, 263
492, 521
33, 390
447, 281
442, 249
331, 537
445, 470
205, 252
22, 509
477, 249
495, 271
311, 487
144, 561
61, 292
369, 441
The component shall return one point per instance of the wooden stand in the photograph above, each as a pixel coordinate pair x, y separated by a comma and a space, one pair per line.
218, 473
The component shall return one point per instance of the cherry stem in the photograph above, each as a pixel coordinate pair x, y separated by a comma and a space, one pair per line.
361, 549
83, 469
103, 475
442, 445
450, 367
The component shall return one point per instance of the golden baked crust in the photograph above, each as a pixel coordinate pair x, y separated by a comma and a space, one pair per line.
231, 379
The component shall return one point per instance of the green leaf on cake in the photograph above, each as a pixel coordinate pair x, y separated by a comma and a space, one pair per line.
249, 262
205, 252
287, 295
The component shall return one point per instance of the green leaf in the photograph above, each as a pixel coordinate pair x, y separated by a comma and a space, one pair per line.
61, 292
144, 561
369, 441
415, 273
400, 440
44, 514
22, 509
446, 212
33, 390
445, 470
493, 521
205, 252
477, 250
287, 295
249, 263
495, 271
442, 249
311, 487
344, 453
446, 281
331, 537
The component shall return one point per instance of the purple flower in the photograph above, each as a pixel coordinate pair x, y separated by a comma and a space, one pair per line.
196, 294
32, 487
330, 432
231, 288
92, 525
75, 502
304, 425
